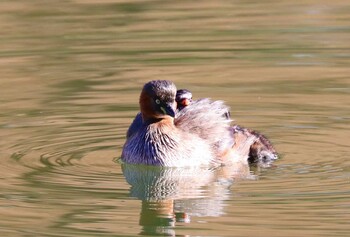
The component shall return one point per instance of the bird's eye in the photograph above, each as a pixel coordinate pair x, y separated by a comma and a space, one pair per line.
157, 101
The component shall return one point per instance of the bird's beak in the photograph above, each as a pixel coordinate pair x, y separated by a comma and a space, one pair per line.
168, 109
186, 102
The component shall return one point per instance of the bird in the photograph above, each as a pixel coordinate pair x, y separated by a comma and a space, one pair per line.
173, 131
183, 98
261, 151
198, 135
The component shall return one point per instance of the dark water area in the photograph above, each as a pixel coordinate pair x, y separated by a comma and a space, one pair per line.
71, 74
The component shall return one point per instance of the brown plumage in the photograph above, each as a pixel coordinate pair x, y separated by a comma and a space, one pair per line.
183, 98
193, 138
199, 133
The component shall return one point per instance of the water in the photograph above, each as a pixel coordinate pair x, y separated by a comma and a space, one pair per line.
71, 74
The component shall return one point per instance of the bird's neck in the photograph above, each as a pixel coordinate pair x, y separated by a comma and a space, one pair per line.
161, 120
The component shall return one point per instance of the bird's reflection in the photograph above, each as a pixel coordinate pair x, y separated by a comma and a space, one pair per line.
174, 195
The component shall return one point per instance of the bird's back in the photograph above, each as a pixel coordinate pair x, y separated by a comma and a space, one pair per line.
205, 119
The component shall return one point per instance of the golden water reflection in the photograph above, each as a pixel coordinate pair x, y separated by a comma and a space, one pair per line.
171, 196
71, 74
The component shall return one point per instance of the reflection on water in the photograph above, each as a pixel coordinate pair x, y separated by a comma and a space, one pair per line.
173, 195
71, 73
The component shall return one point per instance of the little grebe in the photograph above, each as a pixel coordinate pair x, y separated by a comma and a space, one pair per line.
248, 143
198, 135
183, 98
261, 152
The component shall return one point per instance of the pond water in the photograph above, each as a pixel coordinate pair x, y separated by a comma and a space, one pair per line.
71, 74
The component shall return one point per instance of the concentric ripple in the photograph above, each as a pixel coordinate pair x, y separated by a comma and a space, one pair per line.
71, 74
